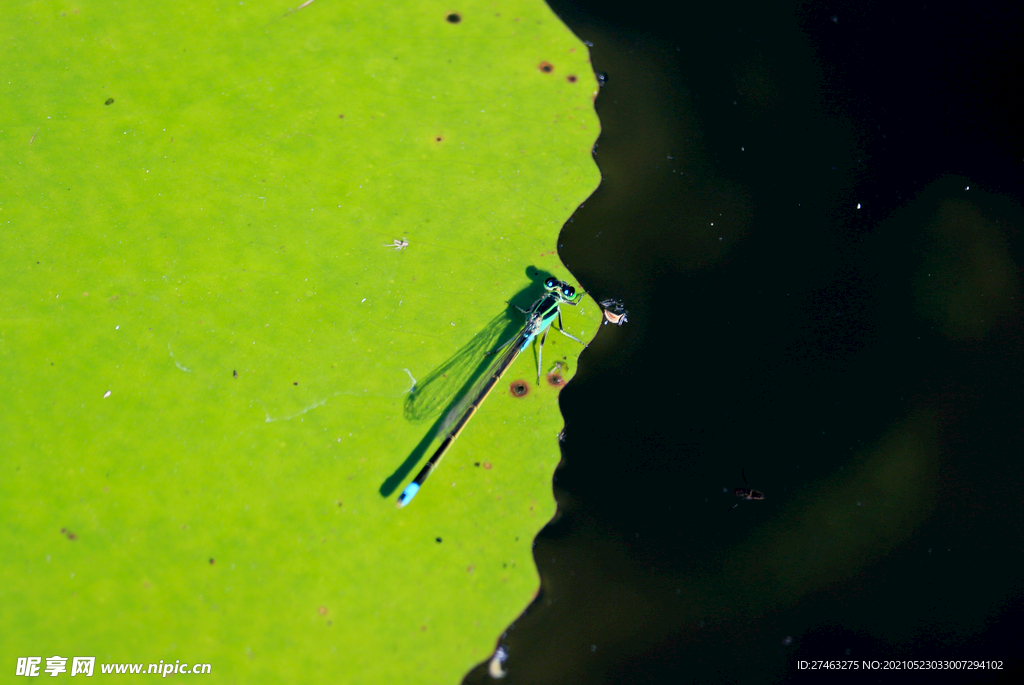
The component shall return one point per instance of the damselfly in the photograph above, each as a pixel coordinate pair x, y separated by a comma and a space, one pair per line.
539, 318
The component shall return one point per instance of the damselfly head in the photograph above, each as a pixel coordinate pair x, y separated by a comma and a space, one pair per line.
564, 291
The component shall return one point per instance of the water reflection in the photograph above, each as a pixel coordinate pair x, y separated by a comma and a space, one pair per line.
967, 282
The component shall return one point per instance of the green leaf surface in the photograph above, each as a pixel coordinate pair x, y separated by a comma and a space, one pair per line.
207, 349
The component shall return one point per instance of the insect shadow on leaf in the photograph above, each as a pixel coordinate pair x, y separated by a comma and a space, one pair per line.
438, 392
438, 389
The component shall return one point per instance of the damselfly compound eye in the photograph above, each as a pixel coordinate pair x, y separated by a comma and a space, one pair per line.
550, 283
569, 291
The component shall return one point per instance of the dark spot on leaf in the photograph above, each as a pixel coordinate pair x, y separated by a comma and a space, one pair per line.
68, 533
453, 18
295, 383
519, 388
438, 540
234, 373
211, 561
546, 67
109, 101
341, 116
555, 379
571, 78
439, 138
476, 463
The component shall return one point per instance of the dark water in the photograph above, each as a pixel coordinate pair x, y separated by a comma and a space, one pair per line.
861, 366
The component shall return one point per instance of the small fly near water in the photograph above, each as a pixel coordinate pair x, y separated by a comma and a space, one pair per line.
614, 311
745, 493
398, 245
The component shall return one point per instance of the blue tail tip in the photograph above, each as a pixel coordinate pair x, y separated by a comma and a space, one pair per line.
410, 491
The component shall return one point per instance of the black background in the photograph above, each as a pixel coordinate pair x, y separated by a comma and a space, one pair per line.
776, 329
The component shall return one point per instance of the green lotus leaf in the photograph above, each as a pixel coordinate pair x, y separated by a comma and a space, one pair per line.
208, 339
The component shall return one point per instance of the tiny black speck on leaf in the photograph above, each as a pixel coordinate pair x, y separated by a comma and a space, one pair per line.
109, 101
439, 539
295, 383
211, 561
453, 18
571, 78
546, 67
